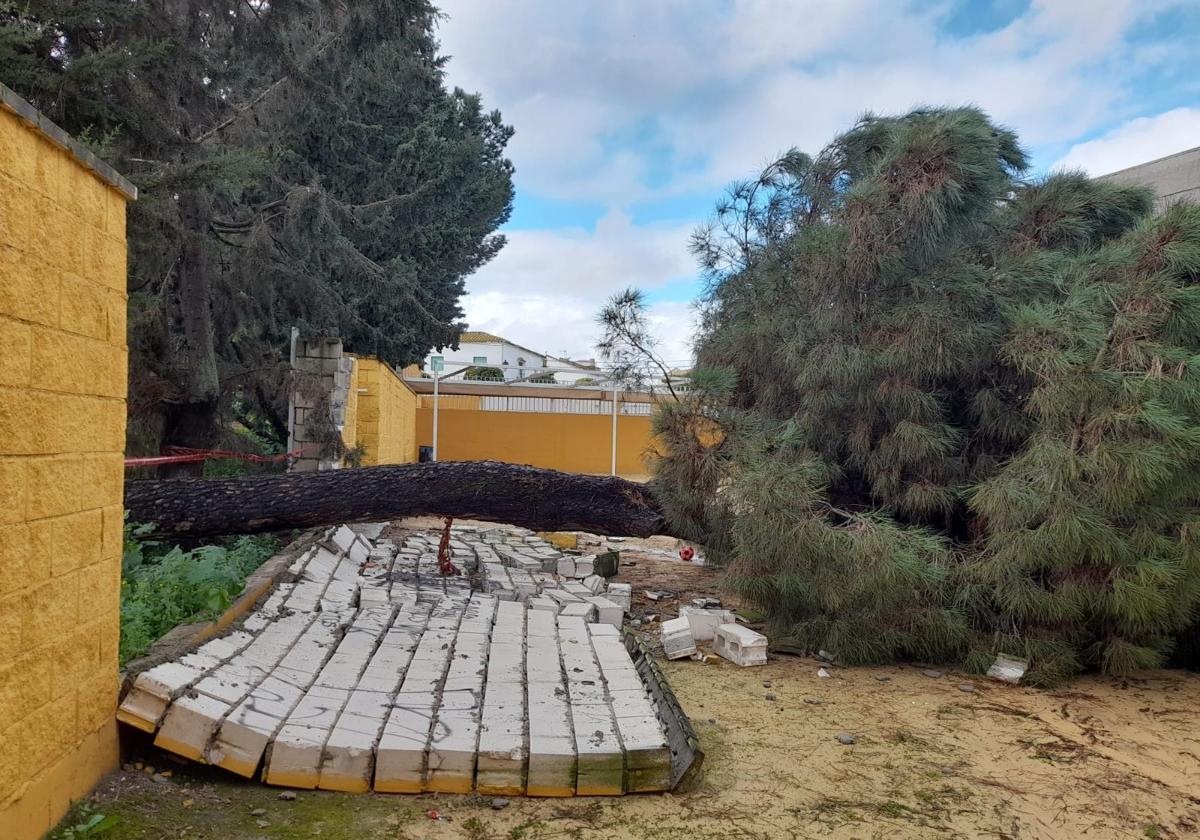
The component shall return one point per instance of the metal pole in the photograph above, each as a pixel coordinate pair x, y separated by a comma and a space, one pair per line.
436, 376
614, 431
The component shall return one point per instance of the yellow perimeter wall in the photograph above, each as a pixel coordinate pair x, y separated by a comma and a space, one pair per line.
62, 435
580, 443
385, 414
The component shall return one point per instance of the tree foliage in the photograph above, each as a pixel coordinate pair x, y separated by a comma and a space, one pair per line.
957, 410
301, 164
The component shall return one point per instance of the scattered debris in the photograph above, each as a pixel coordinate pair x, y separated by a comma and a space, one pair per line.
766, 683
883, 678
966, 687
704, 622
740, 645
822, 673
258, 812
659, 594
933, 674
706, 602
769, 696
826, 655
287, 796
813, 701
677, 639
1008, 669
845, 738
499, 804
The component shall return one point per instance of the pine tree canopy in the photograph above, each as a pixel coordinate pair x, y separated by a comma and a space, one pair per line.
945, 411
301, 164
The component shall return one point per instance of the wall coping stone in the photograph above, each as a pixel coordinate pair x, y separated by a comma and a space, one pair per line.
31, 115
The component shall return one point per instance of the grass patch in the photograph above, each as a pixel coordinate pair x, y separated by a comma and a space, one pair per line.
162, 587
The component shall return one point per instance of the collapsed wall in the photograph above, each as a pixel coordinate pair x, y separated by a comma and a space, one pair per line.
369, 670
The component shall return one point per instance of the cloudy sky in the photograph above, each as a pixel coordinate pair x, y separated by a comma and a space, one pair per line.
631, 115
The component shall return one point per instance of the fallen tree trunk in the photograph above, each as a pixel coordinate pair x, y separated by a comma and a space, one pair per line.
544, 500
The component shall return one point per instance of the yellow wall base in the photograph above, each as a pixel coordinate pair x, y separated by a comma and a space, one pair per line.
47, 797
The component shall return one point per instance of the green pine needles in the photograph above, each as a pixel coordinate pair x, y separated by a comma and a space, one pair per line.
945, 412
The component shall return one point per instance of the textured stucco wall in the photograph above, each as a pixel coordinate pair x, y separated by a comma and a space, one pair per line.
62, 433
386, 415
579, 443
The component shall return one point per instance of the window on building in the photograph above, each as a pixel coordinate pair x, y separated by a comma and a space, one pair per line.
479, 360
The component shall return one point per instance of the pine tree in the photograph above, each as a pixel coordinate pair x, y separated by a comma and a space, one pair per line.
962, 400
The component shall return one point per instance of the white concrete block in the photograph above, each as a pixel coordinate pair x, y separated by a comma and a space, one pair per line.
595, 584
601, 765
580, 609
677, 639
606, 611
620, 593
741, 645
189, 725
146, 703
400, 756
705, 621
350, 750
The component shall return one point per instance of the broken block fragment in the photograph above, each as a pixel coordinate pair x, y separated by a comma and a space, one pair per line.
705, 622
677, 639
741, 645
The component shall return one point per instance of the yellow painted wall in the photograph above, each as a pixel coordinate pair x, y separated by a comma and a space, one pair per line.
62, 434
386, 414
580, 443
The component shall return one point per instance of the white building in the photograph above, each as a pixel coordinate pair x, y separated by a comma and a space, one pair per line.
478, 350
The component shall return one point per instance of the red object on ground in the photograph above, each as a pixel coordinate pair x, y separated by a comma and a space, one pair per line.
687, 553
445, 566
184, 455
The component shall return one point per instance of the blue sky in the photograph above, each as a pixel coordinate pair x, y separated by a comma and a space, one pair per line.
631, 116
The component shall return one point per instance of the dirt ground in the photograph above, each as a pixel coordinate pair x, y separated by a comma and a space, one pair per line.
935, 756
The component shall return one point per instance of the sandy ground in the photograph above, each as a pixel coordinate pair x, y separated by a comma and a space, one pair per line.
1102, 759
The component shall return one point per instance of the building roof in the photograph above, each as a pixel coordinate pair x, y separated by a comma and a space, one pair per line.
481, 338
1173, 178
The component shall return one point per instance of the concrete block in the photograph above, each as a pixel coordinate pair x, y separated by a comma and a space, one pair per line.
595, 584
741, 645
620, 593
584, 566
606, 611
677, 639
544, 604
565, 566
580, 609
294, 758
350, 751
400, 757
704, 622
146, 703
189, 725
601, 760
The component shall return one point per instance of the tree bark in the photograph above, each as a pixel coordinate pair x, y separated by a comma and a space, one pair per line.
544, 500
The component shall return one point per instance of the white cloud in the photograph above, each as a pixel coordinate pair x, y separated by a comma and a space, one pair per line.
1136, 141
732, 84
545, 287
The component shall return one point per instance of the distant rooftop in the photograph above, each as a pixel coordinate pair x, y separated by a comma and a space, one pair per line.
481, 338
1173, 178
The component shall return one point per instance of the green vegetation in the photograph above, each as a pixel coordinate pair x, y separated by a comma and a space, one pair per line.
299, 164
946, 411
162, 587
484, 374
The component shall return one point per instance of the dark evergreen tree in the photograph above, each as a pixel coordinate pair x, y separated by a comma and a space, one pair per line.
956, 401
301, 163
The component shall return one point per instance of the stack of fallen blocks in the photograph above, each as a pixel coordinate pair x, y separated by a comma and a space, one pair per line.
740, 645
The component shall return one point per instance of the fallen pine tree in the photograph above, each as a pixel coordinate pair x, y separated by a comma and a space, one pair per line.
545, 500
